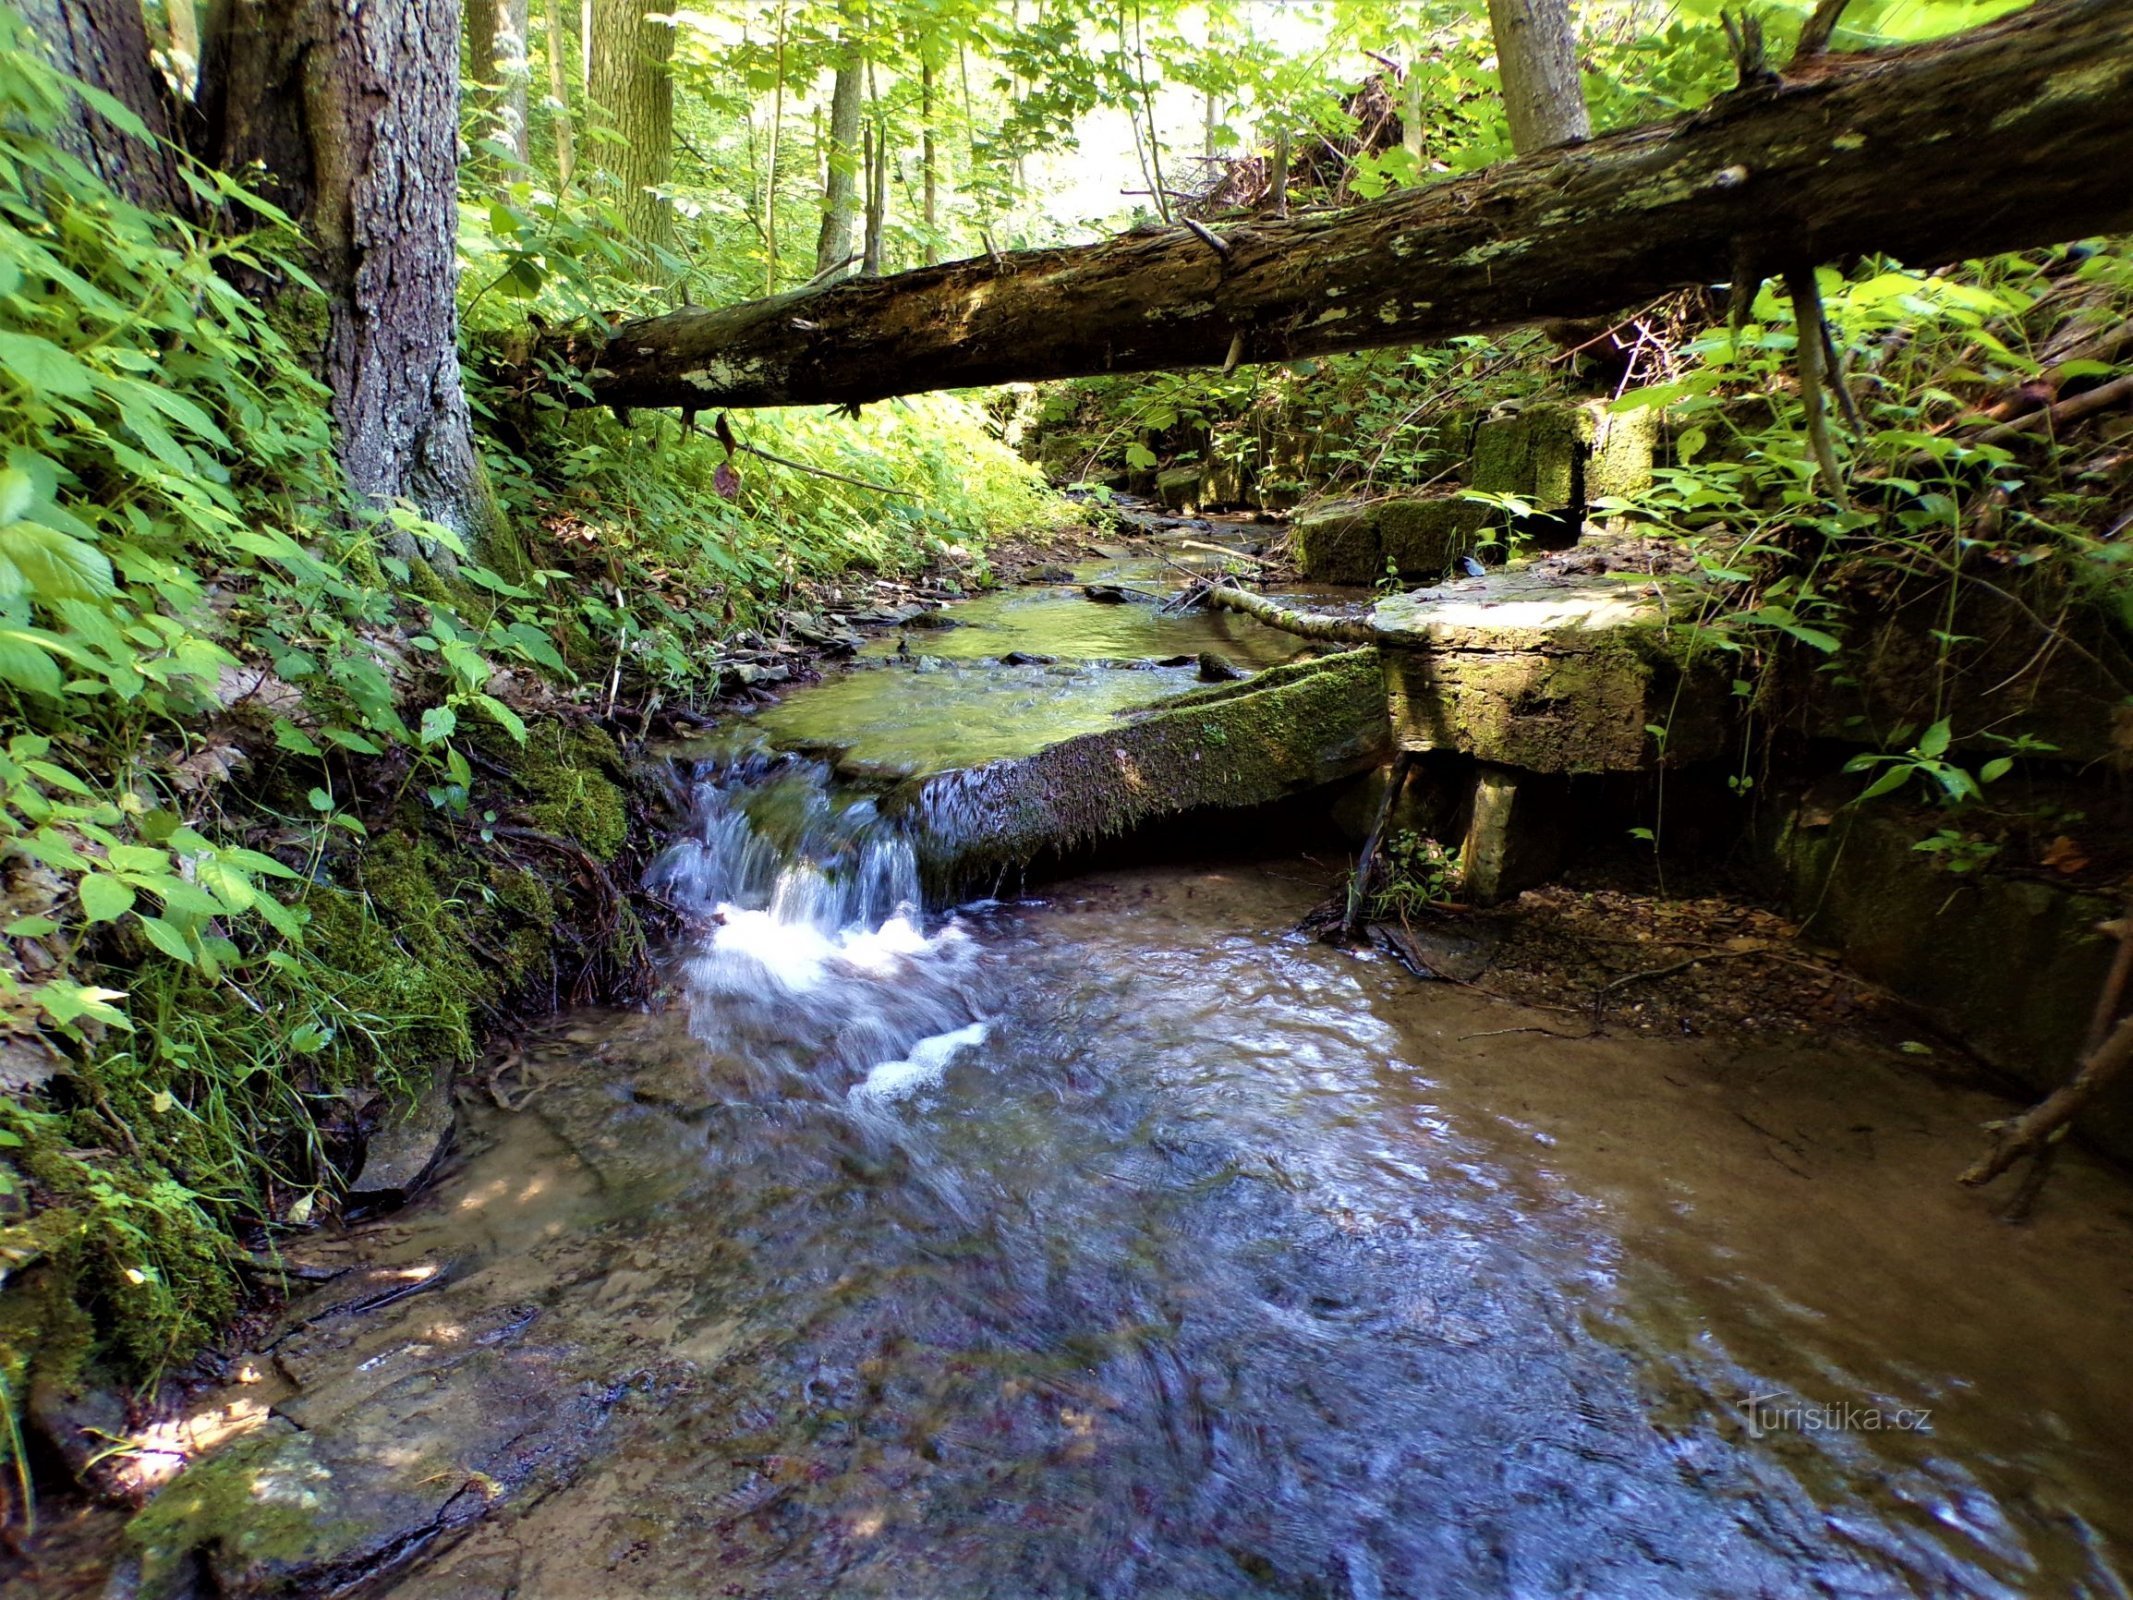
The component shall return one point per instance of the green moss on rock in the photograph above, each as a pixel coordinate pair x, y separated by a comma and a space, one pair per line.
1337, 542
571, 775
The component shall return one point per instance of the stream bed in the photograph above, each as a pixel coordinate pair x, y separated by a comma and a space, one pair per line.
1122, 1242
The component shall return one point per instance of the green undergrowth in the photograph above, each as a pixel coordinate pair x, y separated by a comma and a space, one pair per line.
294, 798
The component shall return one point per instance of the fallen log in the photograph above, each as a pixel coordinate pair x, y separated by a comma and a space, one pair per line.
2011, 135
1323, 625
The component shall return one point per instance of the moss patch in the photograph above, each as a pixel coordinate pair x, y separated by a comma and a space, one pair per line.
572, 773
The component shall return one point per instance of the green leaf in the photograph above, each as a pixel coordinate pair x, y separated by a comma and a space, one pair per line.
284, 920
438, 724
166, 938
1933, 743
288, 736
42, 367
55, 566
25, 663
30, 928
1889, 782
257, 861
66, 1003
1995, 769
319, 800
104, 898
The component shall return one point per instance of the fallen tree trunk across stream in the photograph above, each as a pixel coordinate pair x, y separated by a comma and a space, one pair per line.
2011, 135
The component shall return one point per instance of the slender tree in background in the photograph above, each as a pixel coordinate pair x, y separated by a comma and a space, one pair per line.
497, 57
350, 109
632, 93
1537, 57
558, 43
840, 186
929, 161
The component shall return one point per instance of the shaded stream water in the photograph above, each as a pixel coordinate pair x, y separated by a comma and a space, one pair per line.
1124, 1244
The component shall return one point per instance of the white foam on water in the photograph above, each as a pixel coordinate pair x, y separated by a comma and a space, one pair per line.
929, 1058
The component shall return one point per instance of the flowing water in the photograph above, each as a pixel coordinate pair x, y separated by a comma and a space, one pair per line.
1122, 1243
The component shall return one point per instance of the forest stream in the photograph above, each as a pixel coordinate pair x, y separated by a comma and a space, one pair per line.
1121, 1241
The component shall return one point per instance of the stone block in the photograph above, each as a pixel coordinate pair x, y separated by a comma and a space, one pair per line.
1422, 537
1563, 455
1337, 542
1225, 482
1179, 487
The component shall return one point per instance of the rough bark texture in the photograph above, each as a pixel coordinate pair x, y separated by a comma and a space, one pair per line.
1537, 59
840, 184
350, 108
497, 58
104, 43
2011, 135
632, 91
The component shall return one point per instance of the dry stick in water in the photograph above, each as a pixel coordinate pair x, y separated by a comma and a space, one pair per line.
1359, 889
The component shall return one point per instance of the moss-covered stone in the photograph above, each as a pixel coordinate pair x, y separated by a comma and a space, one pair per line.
2010, 965
261, 1504
1525, 673
1179, 487
1225, 481
1422, 536
1290, 729
1337, 542
1561, 455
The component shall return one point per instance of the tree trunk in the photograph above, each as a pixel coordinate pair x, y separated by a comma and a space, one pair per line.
877, 194
840, 186
497, 58
1869, 153
559, 91
350, 108
632, 92
929, 162
104, 43
1537, 58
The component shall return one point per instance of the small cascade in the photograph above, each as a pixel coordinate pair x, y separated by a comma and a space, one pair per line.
817, 961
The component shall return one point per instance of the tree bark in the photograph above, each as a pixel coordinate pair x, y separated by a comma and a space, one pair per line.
632, 92
840, 184
1537, 59
350, 106
1868, 153
929, 163
104, 43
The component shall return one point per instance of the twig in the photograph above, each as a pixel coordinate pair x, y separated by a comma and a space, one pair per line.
2026, 1135
1359, 887
1208, 237
2090, 401
1628, 978
824, 472
1814, 37
1304, 624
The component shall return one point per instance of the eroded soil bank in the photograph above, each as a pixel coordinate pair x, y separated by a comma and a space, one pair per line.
1125, 1243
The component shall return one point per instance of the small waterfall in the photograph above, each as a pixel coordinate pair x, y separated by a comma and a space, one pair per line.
816, 959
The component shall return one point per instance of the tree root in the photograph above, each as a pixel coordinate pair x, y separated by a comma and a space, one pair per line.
2038, 1132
